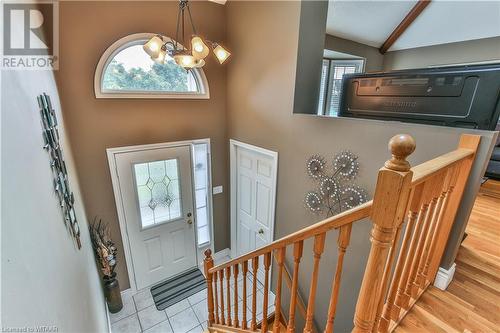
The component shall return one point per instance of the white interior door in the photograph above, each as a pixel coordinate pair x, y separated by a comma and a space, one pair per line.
156, 192
255, 187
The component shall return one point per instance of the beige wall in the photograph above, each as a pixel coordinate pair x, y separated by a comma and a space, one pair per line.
86, 30
486, 49
374, 59
260, 103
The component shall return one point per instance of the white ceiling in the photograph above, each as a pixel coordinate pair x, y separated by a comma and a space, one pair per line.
371, 22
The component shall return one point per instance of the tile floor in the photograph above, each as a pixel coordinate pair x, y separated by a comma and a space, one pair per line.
139, 314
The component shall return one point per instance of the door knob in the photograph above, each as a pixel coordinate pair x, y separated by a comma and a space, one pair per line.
189, 221
261, 231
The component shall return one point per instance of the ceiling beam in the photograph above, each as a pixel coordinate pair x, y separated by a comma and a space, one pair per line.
405, 23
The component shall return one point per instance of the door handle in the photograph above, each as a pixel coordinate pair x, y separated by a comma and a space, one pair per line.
261, 231
189, 221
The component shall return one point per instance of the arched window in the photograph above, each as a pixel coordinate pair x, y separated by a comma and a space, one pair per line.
126, 71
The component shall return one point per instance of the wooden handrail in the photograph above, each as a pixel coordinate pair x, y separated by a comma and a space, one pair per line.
426, 170
334, 222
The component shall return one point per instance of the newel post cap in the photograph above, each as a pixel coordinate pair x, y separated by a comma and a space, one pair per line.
401, 146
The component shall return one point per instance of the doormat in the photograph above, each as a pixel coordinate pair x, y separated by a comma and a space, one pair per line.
176, 289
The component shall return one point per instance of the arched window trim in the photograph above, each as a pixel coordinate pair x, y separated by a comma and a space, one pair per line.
134, 39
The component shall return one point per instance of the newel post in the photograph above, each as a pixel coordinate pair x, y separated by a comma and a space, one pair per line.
389, 204
208, 263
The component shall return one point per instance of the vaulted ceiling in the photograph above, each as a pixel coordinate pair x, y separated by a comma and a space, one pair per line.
372, 22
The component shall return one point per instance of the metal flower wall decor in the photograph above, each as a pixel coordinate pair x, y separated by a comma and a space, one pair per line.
58, 165
336, 190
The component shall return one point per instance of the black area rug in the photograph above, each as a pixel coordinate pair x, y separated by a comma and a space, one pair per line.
176, 289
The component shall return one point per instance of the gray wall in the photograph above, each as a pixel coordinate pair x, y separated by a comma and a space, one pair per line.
374, 59
486, 49
45, 279
311, 53
261, 87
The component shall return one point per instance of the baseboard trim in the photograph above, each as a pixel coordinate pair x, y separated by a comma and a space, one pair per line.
127, 293
108, 317
444, 277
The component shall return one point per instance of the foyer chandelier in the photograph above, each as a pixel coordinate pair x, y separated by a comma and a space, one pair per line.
196, 50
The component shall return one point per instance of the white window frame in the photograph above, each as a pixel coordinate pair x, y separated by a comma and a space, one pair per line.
141, 38
209, 190
360, 68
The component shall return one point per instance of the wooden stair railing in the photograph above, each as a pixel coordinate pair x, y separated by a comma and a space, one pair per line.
217, 319
425, 197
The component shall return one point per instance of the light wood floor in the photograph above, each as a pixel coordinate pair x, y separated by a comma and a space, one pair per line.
472, 301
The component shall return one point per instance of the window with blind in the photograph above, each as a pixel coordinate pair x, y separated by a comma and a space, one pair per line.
331, 83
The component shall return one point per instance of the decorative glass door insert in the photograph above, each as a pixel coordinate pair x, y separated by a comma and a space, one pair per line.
158, 192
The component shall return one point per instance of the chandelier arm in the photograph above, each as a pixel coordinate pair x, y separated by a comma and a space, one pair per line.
182, 26
191, 20
212, 44
177, 29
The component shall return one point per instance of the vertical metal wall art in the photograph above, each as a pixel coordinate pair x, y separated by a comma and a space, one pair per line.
336, 191
53, 147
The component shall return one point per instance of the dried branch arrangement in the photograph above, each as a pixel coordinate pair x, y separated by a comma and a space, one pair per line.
104, 248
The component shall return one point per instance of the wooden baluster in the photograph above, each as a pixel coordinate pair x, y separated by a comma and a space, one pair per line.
244, 310
255, 267
228, 295
443, 204
208, 264
424, 239
215, 277
421, 276
267, 264
466, 142
297, 255
342, 243
389, 205
386, 278
409, 290
280, 260
318, 248
403, 255
409, 272
236, 322
222, 314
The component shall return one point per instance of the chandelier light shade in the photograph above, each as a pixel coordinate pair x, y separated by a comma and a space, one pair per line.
161, 57
221, 53
153, 46
198, 47
185, 60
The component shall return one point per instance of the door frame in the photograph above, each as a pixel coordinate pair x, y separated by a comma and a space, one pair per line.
233, 145
111, 152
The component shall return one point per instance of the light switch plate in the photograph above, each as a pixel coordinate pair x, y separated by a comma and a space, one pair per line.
217, 189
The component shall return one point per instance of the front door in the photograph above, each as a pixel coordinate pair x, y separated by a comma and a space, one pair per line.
156, 192
255, 195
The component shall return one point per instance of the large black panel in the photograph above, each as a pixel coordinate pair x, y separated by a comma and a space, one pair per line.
459, 96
